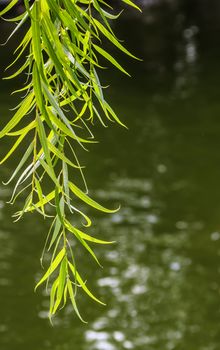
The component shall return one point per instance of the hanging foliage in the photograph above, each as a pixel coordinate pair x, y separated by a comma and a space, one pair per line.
63, 95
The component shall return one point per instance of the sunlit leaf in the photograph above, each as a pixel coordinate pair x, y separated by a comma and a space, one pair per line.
83, 284
52, 267
85, 198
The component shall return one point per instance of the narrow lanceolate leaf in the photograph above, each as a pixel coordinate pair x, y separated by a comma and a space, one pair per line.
61, 284
52, 267
112, 38
85, 245
21, 112
132, 4
37, 88
50, 172
23, 160
52, 295
110, 58
16, 144
40, 195
24, 130
36, 34
48, 198
56, 232
18, 26
61, 114
85, 198
88, 221
85, 236
72, 298
61, 155
11, 4
44, 141
83, 284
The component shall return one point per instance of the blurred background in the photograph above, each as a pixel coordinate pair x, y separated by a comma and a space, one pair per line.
161, 281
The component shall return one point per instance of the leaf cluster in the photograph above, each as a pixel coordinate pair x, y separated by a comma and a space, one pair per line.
62, 97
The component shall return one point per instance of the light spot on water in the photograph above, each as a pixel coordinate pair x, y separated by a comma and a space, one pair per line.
181, 225
117, 218
128, 344
108, 282
104, 345
191, 53
4, 282
215, 236
113, 270
175, 266
190, 32
4, 193
100, 323
134, 184
152, 219
145, 202
99, 340
113, 313
43, 314
3, 328
161, 168
119, 336
96, 336
138, 289
198, 225
112, 255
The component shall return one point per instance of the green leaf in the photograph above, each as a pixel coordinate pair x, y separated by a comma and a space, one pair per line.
61, 284
56, 231
16, 144
18, 26
59, 111
82, 241
82, 284
40, 195
50, 171
44, 143
72, 298
85, 198
48, 198
112, 38
52, 295
21, 112
61, 155
85, 236
21, 163
88, 221
132, 4
24, 130
110, 58
52, 267
36, 35
11, 4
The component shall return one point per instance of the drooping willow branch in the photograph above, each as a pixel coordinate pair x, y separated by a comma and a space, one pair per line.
63, 96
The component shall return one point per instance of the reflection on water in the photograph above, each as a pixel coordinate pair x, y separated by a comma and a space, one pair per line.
161, 280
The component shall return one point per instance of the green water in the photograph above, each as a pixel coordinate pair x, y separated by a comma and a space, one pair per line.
161, 281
